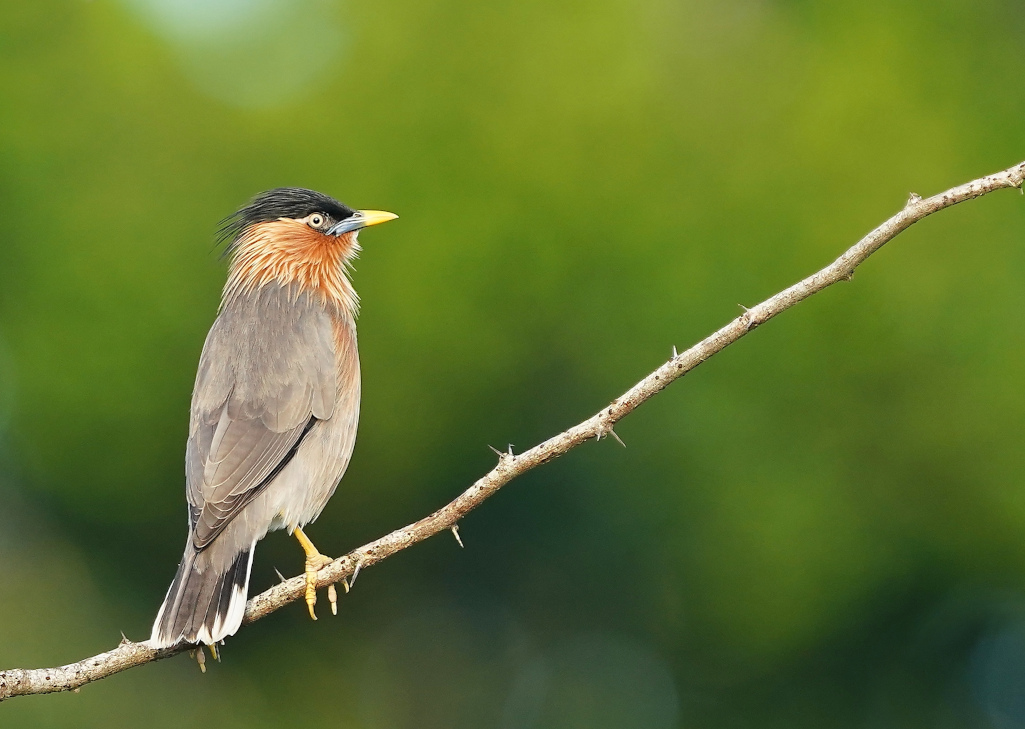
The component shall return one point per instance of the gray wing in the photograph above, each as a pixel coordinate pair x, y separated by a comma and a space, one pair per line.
266, 376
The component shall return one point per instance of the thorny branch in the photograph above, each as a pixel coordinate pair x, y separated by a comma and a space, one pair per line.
18, 682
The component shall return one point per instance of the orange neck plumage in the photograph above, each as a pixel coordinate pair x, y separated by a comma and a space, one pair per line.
288, 251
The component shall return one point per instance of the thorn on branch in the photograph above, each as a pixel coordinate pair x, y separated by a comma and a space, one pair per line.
605, 430
503, 456
278, 573
913, 198
355, 574
675, 353
455, 533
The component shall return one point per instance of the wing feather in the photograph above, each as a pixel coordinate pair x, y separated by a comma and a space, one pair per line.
266, 376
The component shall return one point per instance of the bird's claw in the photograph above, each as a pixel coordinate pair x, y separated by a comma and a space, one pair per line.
314, 563
200, 657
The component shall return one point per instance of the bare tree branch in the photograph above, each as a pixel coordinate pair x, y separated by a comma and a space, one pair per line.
18, 682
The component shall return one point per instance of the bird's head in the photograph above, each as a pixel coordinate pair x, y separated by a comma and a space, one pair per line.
296, 236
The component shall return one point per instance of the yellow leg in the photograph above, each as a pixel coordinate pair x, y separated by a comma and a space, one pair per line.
314, 562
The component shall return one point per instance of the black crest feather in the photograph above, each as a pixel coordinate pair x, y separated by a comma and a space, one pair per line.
281, 202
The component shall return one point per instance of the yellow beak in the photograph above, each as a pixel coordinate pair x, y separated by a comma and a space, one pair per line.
373, 217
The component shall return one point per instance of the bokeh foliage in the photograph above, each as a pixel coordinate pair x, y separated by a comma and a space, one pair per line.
821, 526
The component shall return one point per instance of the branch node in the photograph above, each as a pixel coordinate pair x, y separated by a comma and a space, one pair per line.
605, 428
503, 456
455, 533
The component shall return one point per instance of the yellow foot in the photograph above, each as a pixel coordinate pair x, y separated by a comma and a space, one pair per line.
314, 562
200, 657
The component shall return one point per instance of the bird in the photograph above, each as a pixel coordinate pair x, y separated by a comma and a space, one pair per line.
275, 404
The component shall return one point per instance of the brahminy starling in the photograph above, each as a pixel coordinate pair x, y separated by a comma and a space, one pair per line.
275, 405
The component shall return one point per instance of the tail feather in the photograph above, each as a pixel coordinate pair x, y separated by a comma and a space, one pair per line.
203, 605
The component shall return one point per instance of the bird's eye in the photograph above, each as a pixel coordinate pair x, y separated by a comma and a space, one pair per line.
316, 220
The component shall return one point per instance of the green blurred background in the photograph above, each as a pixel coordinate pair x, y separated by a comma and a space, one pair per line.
822, 526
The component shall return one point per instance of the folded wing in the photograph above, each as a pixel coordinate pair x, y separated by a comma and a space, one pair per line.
266, 377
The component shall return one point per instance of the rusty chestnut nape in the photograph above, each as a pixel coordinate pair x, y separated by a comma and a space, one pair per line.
275, 405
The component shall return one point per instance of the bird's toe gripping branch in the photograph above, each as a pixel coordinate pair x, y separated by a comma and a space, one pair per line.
315, 561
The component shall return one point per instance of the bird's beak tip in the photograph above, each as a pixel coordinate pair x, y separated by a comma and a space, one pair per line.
376, 217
